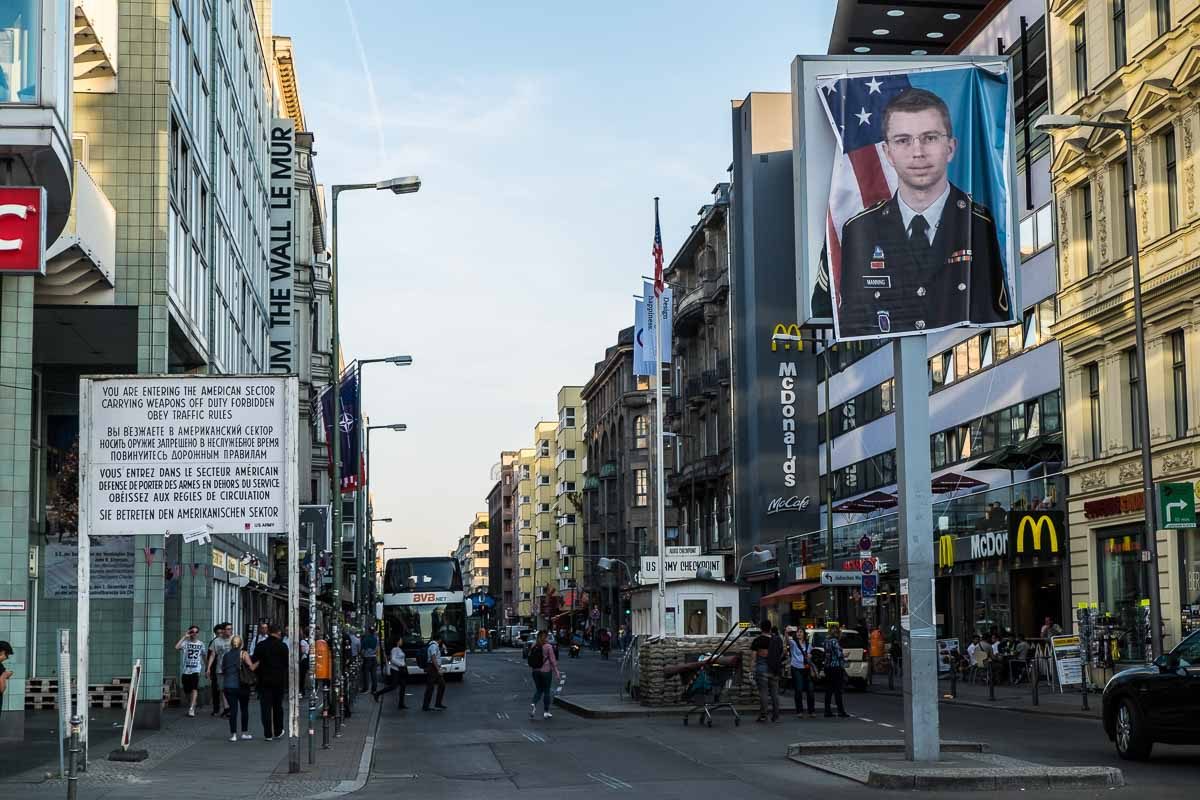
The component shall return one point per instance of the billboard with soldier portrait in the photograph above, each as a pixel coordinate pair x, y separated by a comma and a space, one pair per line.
908, 220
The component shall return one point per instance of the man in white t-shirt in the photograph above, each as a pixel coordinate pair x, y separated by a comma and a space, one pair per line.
192, 656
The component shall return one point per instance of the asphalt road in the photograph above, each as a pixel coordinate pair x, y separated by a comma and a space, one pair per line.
485, 746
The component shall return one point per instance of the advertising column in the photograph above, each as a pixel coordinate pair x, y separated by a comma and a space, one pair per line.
905, 221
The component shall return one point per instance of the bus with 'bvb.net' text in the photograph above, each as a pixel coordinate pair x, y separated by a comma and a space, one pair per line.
423, 597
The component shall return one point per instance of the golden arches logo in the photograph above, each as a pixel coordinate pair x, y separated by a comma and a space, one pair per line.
945, 551
788, 334
1036, 525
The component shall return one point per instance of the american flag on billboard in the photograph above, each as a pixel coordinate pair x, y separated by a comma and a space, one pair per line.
862, 177
659, 283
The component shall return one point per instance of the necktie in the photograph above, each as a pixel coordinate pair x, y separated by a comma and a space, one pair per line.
918, 231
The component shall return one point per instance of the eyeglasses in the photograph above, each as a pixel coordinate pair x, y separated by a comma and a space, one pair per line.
905, 142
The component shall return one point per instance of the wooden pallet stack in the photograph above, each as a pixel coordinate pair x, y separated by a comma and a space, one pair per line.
41, 694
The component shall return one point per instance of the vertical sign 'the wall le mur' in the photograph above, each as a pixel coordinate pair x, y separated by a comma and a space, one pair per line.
282, 358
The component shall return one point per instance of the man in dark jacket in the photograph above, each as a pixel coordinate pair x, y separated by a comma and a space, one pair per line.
271, 669
768, 665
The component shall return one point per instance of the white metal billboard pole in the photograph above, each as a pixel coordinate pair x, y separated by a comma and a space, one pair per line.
83, 605
910, 364
660, 492
291, 500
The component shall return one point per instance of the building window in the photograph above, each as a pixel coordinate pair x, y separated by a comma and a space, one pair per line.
1162, 10
1171, 175
568, 417
1179, 383
641, 433
1093, 387
1085, 208
1131, 366
1123, 245
1124, 580
1081, 77
1120, 56
1031, 96
543, 480
641, 483
544, 448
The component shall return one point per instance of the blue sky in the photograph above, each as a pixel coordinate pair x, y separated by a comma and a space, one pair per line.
541, 131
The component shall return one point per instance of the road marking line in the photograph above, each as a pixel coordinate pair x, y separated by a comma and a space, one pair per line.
864, 719
884, 724
610, 781
533, 737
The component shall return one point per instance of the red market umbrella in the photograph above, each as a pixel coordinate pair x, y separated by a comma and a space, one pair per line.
952, 482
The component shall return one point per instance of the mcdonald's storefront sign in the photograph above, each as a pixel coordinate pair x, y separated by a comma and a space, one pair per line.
1037, 533
945, 552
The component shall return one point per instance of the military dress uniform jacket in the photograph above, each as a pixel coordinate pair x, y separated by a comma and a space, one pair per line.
890, 284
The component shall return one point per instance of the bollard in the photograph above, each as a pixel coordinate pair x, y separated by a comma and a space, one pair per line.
325, 718
1035, 680
1083, 690
73, 758
891, 674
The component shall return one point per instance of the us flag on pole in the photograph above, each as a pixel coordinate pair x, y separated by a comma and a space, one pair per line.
659, 283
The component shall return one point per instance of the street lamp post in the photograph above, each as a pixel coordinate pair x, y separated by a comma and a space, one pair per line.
397, 186
368, 531
1051, 122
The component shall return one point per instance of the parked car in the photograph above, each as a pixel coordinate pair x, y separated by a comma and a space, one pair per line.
1159, 702
513, 635
854, 646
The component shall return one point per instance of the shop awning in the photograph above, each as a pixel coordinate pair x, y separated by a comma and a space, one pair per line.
868, 503
788, 592
952, 482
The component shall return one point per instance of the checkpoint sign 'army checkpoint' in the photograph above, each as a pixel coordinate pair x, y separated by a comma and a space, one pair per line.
172, 454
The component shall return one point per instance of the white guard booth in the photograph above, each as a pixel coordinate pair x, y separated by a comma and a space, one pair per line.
695, 607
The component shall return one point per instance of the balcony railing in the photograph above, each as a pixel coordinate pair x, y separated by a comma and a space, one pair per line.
711, 380
724, 371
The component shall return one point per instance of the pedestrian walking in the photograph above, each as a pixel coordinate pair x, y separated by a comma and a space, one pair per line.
395, 674
545, 669
768, 663
433, 673
800, 652
270, 664
216, 649
238, 678
192, 652
605, 643
6, 652
302, 668
835, 671
370, 659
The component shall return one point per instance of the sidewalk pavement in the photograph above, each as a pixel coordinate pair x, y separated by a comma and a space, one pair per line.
194, 756
1008, 698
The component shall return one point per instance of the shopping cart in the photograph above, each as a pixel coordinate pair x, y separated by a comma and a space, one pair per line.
705, 689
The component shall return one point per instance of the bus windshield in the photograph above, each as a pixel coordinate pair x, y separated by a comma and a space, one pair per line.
422, 575
417, 624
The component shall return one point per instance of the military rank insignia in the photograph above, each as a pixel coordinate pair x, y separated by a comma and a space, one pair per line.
959, 256
877, 261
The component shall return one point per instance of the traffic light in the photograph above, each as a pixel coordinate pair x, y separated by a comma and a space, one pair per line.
627, 612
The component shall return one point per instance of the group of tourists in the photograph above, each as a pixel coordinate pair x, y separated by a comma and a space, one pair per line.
776, 654
235, 670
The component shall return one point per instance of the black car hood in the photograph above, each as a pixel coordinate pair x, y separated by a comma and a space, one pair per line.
1132, 673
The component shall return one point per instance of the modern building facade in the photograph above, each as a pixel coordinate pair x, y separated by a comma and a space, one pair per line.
1140, 64
993, 394
478, 560
699, 410
160, 267
462, 554
545, 548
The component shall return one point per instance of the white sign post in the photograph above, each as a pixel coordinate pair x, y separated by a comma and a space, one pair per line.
185, 454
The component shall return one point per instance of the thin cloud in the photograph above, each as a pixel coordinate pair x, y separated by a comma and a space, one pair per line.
372, 98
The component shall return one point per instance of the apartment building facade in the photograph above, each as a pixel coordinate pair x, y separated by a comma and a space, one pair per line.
524, 535
699, 408
1137, 61
568, 497
502, 545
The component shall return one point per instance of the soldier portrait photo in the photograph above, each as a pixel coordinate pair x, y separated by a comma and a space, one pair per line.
917, 239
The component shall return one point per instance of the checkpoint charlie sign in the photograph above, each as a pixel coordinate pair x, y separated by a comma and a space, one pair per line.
170, 454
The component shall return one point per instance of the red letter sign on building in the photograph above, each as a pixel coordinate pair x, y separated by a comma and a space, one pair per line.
22, 230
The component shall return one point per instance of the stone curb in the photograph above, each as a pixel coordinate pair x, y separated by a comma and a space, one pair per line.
985, 779
364, 765
841, 747
588, 712
999, 705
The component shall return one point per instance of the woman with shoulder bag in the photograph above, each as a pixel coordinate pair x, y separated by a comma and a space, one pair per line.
395, 673
237, 676
801, 662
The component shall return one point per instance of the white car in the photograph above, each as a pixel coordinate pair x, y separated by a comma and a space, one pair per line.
854, 646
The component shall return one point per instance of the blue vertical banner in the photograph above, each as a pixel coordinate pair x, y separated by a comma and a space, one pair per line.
349, 427
641, 364
666, 318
